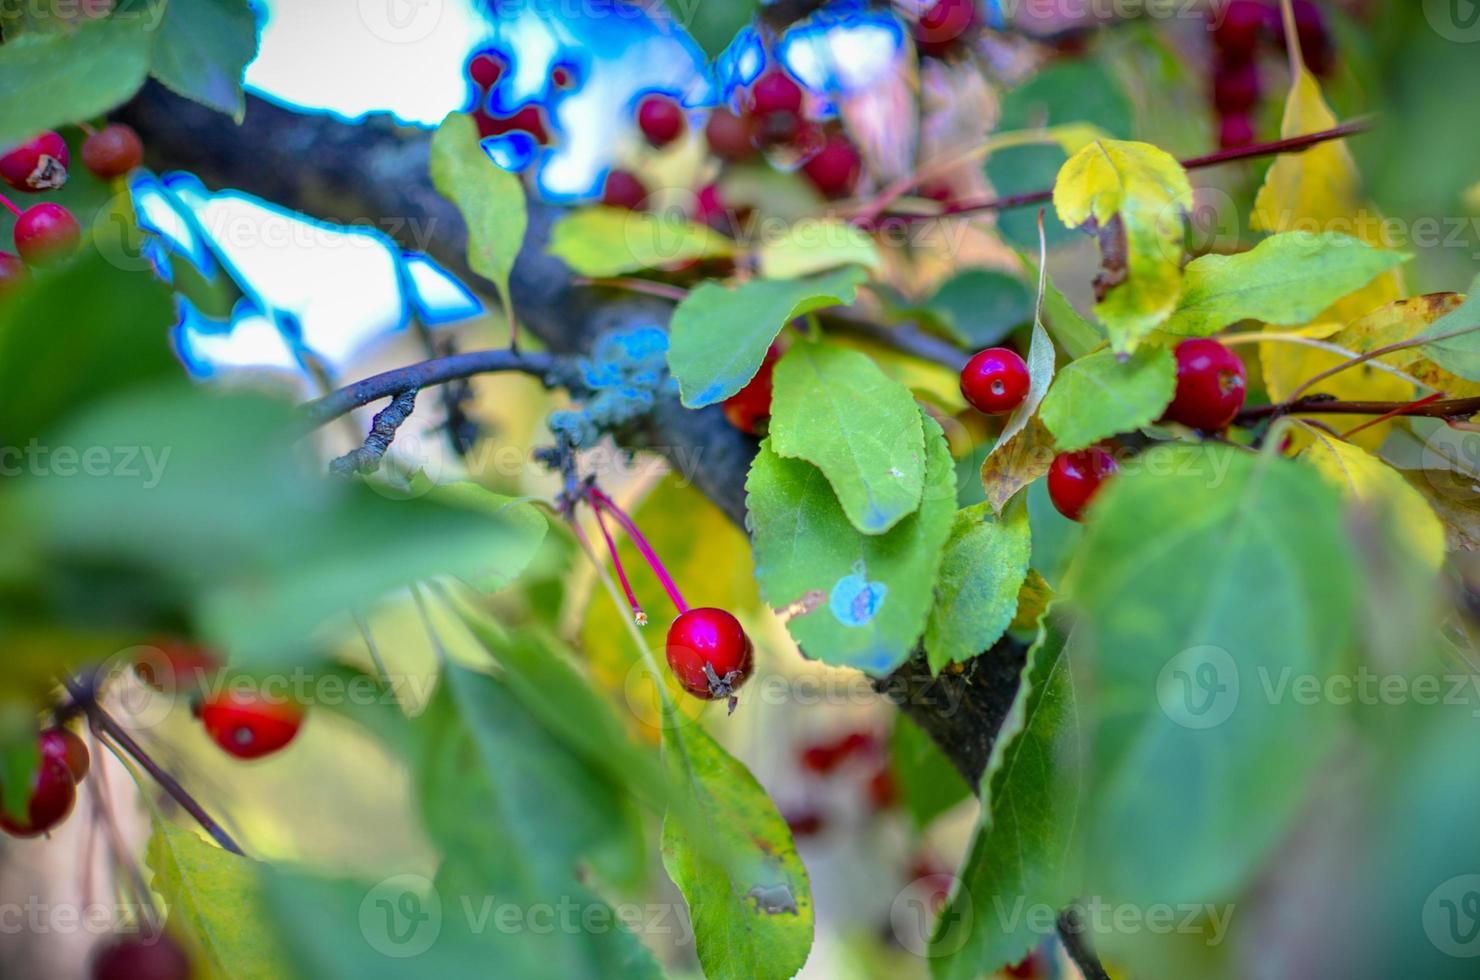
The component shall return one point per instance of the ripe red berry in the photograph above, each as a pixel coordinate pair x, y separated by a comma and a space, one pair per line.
750, 407
46, 234
1236, 88
995, 381
485, 70
661, 119
176, 665
883, 792
1075, 478
729, 136
1237, 26
63, 745
1235, 130
709, 653
1211, 385
12, 272
37, 165
943, 25
248, 725
132, 958
53, 794
834, 169
805, 823
624, 190
112, 151
775, 91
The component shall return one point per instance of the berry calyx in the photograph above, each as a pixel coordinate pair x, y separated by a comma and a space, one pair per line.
249, 726
709, 653
37, 165
12, 272
46, 234
775, 91
835, 168
749, 408
53, 794
1075, 478
133, 958
730, 137
623, 189
943, 25
1211, 385
661, 119
995, 381
64, 746
112, 151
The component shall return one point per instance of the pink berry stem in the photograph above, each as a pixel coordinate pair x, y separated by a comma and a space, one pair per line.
611, 546
601, 501
7, 202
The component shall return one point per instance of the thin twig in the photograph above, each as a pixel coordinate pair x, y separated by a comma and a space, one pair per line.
1357, 359
1449, 409
1072, 934
383, 428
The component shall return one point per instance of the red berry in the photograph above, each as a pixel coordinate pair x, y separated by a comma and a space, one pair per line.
1315, 39
46, 234
750, 407
112, 151
834, 169
561, 77
485, 70
624, 190
248, 725
132, 958
53, 794
819, 759
39, 165
775, 91
882, 791
943, 25
176, 665
1211, 384
729, 136
1236, 88
12, 272
1237, 26
63, 745
1075, 478
661, 119
995, 381
709, 653
805, 823
1235, 130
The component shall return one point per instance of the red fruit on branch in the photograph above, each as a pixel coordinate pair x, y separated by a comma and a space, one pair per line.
775, 91
37, 165
661, 119
883, 792
995, 381
64, 746
1235, 130
133, 958
835, 168
623, 189
1237, 27
46, 234
176, 665
1075, 478
112, 151
248, 725
1236, 88
485, 70
749, 408
730, 137
1211, 385
53, 794
943, 25
709, 653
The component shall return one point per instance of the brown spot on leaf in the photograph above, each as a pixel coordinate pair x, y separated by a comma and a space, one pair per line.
803, 605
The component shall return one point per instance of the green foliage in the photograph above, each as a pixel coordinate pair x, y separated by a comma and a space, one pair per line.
976, 593
1101, 395
981, 306
928, 784
202, 49
714, 25
604, 241
720, 334
1453, 341
809, 247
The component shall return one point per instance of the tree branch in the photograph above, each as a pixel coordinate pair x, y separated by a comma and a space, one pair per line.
1452, 409
383, 429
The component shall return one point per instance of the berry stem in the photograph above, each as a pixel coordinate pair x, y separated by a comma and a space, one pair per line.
601, 500
10, 205
638, 616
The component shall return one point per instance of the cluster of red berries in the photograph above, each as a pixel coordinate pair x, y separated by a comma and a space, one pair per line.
65, 762
1211, 387
48, 233
1239, 28
858, 754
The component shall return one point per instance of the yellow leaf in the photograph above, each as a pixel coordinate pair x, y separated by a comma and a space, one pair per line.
1148, 192
1288, 366
816, 245
1400, 321
1371, 482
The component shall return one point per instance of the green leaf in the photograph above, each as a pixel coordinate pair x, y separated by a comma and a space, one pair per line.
1022, 170
1208, 578
20, 756
752, 914
928, 784
1101, 395
215, 898
719, 335
985, 563
1068, 91
1075, 335
858, 600
1287, 279
54, 79
490, 198
981, 306
202, 49
834, 408
714, 25
1024, 856
1453, 341
813, 246
602, 241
